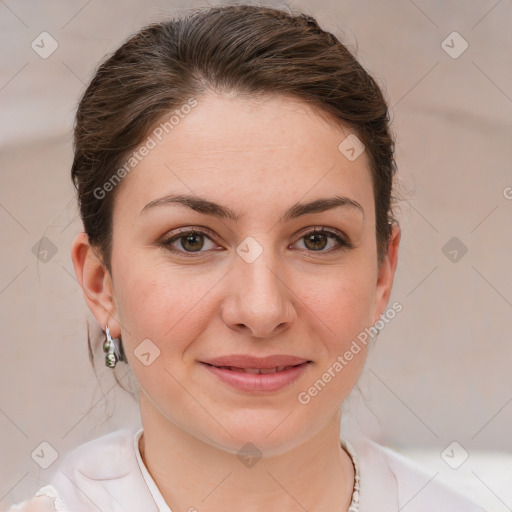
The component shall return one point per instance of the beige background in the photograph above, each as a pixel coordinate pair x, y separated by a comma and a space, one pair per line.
441, 370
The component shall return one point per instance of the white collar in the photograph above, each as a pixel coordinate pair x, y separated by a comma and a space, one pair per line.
108, 474
163, 507
153, 489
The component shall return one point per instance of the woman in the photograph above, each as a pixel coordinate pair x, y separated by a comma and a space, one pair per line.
234, 170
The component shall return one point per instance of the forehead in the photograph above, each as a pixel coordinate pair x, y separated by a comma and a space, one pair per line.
277, 145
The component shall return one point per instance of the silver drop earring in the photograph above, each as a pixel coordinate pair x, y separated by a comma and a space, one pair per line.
113, 350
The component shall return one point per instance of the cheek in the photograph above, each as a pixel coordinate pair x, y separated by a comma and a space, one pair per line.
171, 309
340, 314
334, 319
160, 303
343, 303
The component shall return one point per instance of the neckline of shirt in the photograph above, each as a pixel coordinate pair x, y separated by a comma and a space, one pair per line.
163, 507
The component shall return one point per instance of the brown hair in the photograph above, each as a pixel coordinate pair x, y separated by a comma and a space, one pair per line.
246, 49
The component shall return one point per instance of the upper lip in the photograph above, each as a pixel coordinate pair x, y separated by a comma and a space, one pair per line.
245, 361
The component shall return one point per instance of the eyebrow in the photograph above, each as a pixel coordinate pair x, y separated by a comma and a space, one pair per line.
202, 205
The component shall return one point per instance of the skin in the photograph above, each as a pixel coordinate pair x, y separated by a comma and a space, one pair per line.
258, 158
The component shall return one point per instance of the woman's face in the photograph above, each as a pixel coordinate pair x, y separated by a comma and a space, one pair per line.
253, 280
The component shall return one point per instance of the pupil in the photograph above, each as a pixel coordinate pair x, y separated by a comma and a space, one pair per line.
190, 240
315, 238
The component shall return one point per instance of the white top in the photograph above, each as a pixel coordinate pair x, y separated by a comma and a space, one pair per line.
108, 474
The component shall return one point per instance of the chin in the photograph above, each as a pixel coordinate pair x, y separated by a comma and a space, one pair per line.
268, 433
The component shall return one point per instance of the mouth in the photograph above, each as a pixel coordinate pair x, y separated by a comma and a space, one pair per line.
262, 376
244, 361
258, 371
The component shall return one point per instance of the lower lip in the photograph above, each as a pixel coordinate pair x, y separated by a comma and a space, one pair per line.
258, 382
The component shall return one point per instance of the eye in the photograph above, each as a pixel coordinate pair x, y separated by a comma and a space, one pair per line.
188, 241
318, 239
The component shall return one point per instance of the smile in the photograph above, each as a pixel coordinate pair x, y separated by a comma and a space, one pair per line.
257, 380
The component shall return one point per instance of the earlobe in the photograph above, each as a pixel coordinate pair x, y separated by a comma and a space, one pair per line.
96, 283
386, 273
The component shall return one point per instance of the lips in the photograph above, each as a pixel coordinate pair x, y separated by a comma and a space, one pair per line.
257, 374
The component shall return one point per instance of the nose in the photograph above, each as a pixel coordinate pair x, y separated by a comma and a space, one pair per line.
258, 300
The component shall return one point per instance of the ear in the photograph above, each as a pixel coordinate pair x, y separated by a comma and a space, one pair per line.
96, 283
386, 274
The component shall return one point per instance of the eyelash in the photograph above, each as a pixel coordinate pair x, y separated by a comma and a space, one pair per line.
166, 243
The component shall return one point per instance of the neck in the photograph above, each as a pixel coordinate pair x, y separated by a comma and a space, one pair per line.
316, 475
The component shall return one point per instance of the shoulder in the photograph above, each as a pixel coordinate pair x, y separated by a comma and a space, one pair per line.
113, 451
390, 480
106, 457
46, 499
41, 503
102, 473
